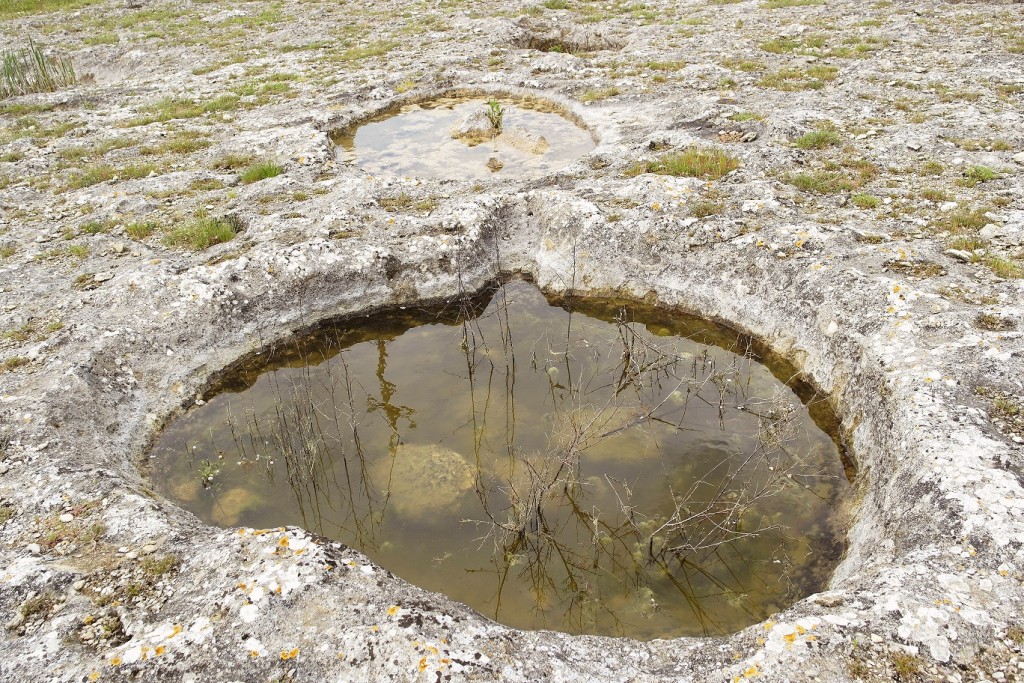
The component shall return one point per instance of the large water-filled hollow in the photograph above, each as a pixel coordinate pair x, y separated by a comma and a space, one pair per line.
598, 467
466, 137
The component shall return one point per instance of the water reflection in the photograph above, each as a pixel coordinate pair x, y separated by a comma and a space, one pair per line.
422, 140
549, 468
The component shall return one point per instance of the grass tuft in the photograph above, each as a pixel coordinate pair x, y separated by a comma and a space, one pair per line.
695, 162
202, 232
260, 171
865, 201
792, 79
93, 175
779, 4
818, 139
30, 70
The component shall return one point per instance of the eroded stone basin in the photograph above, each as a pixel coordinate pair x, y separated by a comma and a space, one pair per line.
589, 468
453, 138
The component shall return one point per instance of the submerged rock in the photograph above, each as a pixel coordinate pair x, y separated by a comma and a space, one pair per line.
518, 137
229, 506
423, 479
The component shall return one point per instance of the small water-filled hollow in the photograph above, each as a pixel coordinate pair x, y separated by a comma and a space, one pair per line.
466, 138
590, 467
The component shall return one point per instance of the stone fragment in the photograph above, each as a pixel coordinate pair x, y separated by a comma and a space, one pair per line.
67, 517
1019, 158
829, 599
103, 277
523, 140
964, 256
474, 129
914, 146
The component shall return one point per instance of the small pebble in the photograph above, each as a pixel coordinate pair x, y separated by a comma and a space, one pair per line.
131, 555
78, 585
148, 549
122, 549
34, 548
67, 517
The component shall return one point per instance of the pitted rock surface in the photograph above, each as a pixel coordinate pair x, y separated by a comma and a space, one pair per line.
878, 255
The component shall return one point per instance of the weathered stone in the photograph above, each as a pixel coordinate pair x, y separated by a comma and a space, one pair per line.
474, 129
902, 376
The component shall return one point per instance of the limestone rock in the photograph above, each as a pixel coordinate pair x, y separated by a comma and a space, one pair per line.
474, 129
523, 140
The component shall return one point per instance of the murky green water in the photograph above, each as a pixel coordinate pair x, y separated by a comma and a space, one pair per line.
417, 141
552, 469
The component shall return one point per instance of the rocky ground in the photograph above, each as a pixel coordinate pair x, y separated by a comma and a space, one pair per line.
182, 206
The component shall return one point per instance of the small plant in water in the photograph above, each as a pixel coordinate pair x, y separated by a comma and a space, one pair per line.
208, 470
495, 114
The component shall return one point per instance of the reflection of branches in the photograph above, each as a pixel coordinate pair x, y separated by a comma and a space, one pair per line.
312, 430
587, 538
531, 513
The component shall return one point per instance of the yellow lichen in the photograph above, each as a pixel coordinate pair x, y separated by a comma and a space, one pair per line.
94, 676
393, 610
116, 661
423, 663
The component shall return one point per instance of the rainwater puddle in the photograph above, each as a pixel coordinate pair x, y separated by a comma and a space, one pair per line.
590, 468
453, 138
